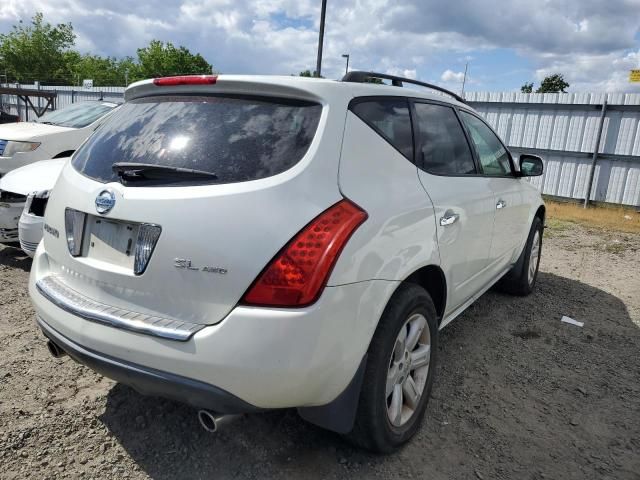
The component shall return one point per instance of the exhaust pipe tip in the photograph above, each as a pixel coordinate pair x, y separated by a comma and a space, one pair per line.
55, 350
212, 422
208, 420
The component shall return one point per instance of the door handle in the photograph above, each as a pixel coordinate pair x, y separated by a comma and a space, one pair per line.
501, 204
449, 219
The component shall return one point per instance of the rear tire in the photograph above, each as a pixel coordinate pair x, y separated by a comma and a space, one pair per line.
401, 359
521, 279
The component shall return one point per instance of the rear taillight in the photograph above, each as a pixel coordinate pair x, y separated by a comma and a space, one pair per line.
298, 274
185, 80
74, 227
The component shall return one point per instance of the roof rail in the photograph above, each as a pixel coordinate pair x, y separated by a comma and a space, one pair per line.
363, 77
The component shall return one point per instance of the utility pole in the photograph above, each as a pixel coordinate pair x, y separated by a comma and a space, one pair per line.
464, 79
321, 39
126, 77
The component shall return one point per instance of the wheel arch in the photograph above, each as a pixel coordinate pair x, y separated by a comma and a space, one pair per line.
541, 212
433, 280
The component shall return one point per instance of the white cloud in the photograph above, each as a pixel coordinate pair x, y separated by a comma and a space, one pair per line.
609, 72
451, 76
592, 42
406, 73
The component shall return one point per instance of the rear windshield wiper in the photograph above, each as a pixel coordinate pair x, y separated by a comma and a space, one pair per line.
132, 172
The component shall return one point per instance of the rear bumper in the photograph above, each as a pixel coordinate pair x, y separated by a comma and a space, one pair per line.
149, 381
266, 357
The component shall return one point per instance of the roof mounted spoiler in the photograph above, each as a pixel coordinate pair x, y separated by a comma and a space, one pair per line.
363, 77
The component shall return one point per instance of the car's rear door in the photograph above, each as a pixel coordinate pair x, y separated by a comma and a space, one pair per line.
462, 199
511, 212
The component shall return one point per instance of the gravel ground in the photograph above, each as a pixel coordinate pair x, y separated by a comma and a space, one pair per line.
518, 394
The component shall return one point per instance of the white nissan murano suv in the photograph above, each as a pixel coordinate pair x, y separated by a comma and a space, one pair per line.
245, 243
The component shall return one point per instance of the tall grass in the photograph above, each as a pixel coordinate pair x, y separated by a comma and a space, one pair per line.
619, 218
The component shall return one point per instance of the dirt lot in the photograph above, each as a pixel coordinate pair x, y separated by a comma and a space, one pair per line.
518, 394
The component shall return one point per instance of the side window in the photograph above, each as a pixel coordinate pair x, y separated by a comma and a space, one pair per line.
494, 158
443, 147
390, 118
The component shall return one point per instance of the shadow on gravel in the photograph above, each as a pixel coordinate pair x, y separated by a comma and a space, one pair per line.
518, 394
13, 257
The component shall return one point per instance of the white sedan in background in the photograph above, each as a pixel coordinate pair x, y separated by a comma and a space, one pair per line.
56, 134
24, 193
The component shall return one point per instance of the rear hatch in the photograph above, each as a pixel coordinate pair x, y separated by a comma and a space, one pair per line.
224, 173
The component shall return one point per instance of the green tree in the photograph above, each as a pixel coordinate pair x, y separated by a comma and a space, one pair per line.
43, 52
104, 71
35, 51
553, 84
160, 59
527, 88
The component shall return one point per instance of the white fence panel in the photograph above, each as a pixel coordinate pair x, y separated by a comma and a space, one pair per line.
563, 129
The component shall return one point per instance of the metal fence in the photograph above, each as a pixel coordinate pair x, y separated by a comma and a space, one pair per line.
66, 96
560, 127
563, 130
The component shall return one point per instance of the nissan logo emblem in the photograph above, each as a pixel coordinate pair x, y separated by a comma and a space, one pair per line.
105, 201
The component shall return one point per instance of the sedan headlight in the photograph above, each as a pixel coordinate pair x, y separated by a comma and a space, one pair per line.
11, 148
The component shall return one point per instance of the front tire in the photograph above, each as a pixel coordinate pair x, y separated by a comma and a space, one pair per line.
400, 369
521, 279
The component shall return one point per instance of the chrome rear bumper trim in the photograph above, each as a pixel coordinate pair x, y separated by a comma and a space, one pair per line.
54, 290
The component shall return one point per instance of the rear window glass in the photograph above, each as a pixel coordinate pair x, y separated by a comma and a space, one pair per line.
391, 119
236, 139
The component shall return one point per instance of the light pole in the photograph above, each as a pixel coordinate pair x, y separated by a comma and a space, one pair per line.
464, 79
346, 55
321, 38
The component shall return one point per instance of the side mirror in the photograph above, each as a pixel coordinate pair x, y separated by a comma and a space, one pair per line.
530, 165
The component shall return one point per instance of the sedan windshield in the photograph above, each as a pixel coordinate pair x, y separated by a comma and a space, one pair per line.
77, 115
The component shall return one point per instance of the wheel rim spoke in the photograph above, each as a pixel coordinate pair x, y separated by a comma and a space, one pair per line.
533, 258
392, 380
416, 326
395, 409
420, 357
400, 343
410, 392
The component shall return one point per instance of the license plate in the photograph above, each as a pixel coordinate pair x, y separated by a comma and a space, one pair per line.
112, 241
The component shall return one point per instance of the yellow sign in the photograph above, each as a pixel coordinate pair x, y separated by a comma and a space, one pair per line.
634, 76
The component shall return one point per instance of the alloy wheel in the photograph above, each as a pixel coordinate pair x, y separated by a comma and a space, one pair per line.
408, 370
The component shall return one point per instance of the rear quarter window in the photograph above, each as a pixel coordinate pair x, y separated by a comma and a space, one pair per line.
391, 119
236, 138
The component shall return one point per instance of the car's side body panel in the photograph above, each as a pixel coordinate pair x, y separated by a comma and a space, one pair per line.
399, 236
464, 245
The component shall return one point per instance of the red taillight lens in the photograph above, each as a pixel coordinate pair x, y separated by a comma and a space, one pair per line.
297, 275
185, 80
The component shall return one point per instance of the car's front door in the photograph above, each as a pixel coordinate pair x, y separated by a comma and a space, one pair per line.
463, 200
511, 212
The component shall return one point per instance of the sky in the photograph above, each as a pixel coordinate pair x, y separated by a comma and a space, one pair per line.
593, 43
